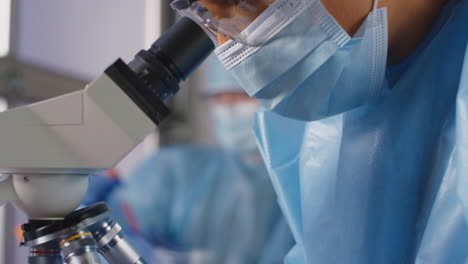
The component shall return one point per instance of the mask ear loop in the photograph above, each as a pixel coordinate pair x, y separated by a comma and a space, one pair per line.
376, 5
374, 16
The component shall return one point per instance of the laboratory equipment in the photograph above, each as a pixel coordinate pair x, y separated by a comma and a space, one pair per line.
79, 238
51, 147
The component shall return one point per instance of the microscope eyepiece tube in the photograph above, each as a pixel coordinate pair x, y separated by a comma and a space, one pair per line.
173, 57
186, 45
154, 74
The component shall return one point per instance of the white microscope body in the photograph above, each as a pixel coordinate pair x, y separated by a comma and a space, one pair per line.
49, 149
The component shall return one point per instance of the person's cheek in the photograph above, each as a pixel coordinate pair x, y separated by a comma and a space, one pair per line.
222, 39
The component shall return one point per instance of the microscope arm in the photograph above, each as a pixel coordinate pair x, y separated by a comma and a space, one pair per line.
54, 145
80, 132
93, 129
49, 149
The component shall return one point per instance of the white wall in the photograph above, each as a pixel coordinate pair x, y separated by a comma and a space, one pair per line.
81, 38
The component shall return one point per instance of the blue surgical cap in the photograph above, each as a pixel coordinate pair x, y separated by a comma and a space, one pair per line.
217, 79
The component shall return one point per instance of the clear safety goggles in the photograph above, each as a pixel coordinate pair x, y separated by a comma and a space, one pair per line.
223, 17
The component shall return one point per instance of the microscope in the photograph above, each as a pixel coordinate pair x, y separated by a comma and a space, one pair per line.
49, 149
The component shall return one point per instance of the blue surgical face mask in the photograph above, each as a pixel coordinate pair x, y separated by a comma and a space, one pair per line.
232, 125
309, 67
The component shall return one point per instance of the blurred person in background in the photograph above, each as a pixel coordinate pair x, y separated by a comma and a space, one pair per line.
203, 204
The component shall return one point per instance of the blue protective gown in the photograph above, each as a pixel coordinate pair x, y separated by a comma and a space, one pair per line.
203, 205
386, 182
